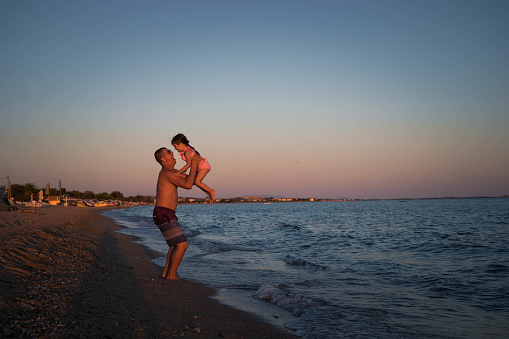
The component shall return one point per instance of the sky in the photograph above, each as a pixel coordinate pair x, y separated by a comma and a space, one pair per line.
326, 99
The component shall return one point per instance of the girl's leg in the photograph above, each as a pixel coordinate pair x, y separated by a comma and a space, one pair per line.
198, 182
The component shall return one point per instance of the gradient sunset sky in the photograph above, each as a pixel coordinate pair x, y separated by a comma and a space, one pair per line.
357, 99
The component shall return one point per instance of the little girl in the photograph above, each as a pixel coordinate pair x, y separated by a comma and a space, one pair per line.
187, 152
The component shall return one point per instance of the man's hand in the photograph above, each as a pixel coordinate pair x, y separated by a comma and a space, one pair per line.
180, 175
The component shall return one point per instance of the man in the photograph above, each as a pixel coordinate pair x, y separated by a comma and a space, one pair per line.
166, 204
5, 206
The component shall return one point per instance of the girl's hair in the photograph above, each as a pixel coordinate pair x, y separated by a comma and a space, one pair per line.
181, 139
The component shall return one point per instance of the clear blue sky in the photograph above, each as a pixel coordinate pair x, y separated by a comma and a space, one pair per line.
358, 99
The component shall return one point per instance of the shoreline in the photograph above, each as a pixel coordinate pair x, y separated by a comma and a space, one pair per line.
67, 272
237, 299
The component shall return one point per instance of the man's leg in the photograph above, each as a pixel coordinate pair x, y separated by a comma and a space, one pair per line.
173, 260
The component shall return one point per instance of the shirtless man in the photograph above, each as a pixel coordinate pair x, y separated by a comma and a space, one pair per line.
164, 211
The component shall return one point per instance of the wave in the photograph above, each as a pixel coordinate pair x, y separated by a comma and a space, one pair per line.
131, 217
213, 247
292, 261
321, 320
496, 269
288, 226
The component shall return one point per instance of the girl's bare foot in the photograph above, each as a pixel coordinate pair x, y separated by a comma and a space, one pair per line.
212, 196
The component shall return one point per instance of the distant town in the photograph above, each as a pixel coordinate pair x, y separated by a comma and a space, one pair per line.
30, 193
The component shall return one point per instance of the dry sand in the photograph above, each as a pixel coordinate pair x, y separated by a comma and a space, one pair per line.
67, 273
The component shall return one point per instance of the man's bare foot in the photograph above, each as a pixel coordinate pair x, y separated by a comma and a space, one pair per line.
173, 278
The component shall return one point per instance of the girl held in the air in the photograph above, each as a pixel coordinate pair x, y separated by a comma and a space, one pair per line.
187, 152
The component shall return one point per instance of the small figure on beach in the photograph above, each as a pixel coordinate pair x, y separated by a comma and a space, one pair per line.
166, 204
188, 152
5, 206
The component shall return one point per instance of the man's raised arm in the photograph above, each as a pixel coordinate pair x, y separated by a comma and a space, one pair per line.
188, 182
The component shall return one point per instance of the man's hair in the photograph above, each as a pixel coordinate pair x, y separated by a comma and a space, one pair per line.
159, 154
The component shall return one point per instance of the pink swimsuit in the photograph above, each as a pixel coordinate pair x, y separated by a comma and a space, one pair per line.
204, 164
182, 154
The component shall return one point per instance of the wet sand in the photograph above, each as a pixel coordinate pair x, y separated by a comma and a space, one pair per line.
66, 272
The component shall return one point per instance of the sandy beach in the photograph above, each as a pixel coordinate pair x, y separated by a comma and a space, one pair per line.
67, 273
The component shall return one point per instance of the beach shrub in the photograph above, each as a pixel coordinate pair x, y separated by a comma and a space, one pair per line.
24, 192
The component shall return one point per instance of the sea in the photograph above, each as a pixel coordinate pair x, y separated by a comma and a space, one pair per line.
434, 268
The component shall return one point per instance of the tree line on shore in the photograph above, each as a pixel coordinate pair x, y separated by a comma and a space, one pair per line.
25, 192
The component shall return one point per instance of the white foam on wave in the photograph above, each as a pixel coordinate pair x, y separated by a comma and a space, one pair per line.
240, 299
293, 303
316, 320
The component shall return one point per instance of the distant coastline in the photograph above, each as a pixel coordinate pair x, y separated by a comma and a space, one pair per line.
29, 192
268, 199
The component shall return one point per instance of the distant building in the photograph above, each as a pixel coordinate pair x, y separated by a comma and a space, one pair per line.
54, 200
252, 198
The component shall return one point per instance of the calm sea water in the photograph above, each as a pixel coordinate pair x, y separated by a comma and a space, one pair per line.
423, 268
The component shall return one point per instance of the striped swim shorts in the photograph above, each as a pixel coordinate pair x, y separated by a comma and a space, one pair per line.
168, 224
